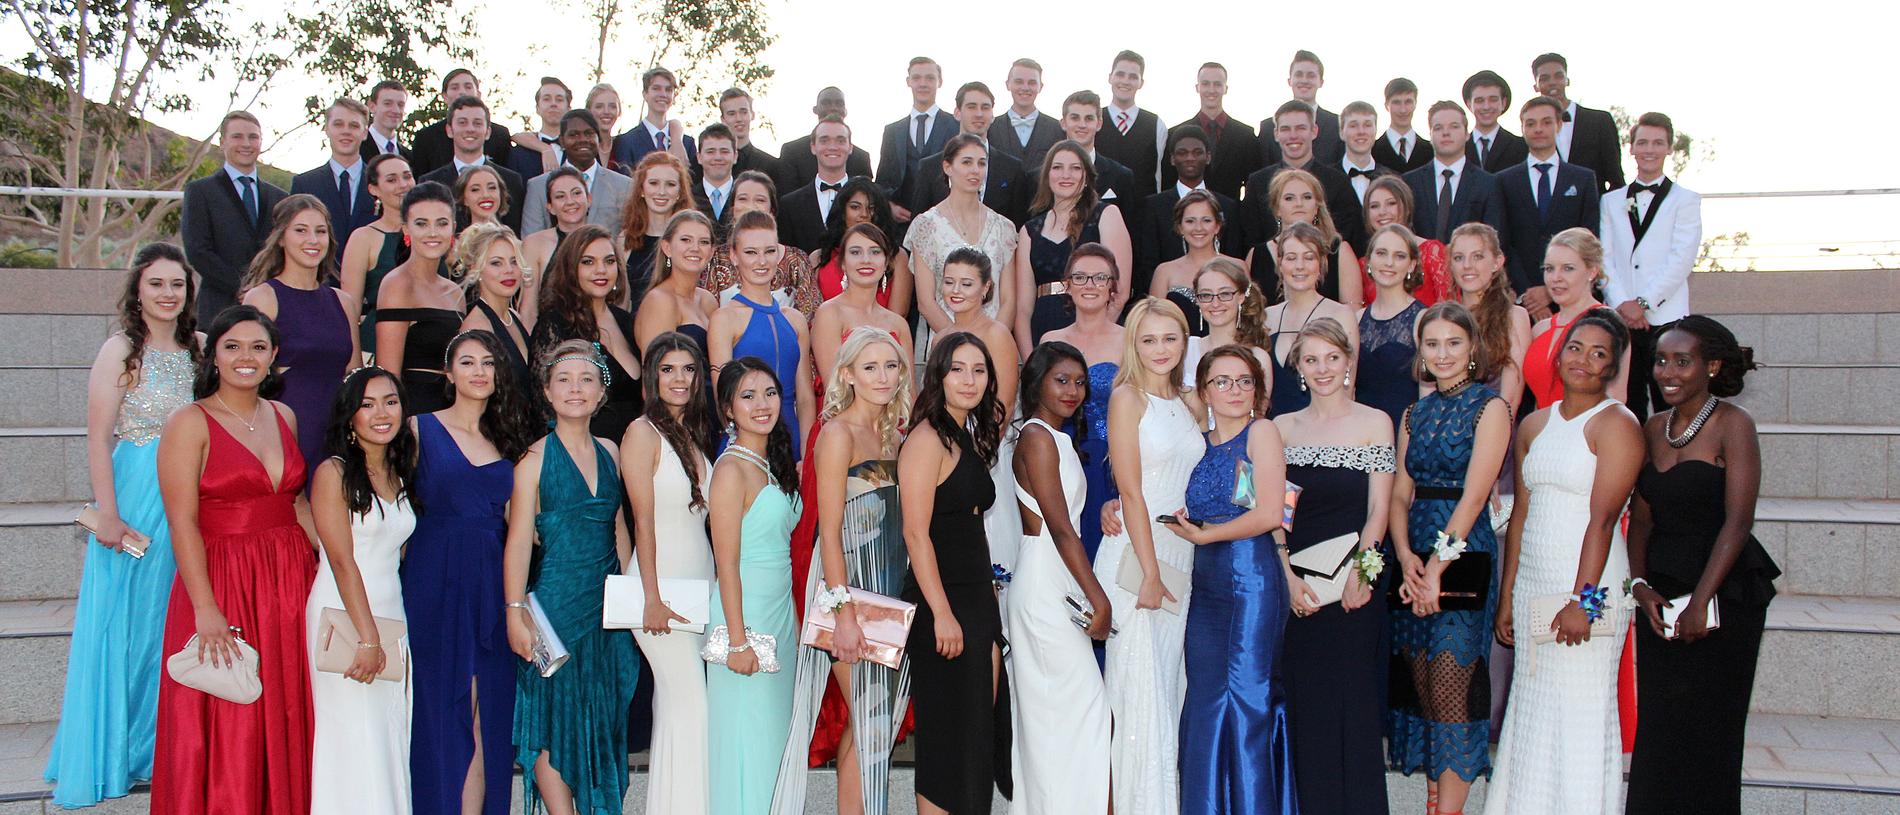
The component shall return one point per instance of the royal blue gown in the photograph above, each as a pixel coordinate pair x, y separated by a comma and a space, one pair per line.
1234, 757
770, 338
1091, 432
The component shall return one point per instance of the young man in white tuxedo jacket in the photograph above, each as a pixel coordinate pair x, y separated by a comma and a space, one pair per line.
1652, 231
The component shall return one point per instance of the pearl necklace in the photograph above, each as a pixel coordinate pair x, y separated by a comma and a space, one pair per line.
1688, 433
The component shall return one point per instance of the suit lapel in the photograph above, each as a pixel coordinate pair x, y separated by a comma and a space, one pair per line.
1641, 228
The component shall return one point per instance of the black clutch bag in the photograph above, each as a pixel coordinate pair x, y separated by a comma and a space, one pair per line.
1464, 586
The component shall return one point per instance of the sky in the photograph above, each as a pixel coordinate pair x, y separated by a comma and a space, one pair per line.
1762, 88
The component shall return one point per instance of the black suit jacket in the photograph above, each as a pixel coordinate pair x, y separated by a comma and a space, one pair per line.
1006, 190
1111, 176
511, 180
1507, 150
1574, 201
369, 149
1042, 135
220, 239
1418, 145
752, 158
801, 166
344, 219
433, 148
798, 221
1477, 198
1156, 243
1594, 145
896, 156
1327, 148
1342, 203
1236, 156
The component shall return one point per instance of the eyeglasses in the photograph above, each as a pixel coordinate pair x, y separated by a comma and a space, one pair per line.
1102, 279
1208, 297
1227, 383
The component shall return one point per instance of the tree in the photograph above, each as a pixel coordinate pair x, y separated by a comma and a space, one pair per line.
1684, 152
128, 53
355, 44
714, 44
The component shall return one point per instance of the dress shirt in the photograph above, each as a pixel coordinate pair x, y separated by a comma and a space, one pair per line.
1567, 131
384, 144
1115, 116
1359, 182
588, 174
1457, 169
1392, 138
1181, 190
336, 178
825, 196
724, 198
930, 124
1530, 167
654, 132
461, 165
1486, 142
1023, 125
236, 174
1213, 127
1646, 198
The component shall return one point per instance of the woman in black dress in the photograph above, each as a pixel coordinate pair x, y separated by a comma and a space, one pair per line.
489, 258
583, 283
955, 647
1068, 212
1296, 197
1690, 546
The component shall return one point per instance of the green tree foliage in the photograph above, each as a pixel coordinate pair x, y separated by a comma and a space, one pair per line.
711, 44
1684, 153
354, 44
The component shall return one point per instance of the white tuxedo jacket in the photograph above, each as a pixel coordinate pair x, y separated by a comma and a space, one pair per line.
1657, 269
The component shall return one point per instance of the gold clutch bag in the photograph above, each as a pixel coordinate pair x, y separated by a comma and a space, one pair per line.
337, 640
135, 542
885, 622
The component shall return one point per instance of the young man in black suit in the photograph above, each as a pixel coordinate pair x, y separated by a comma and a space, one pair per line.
735, 112
552, 99
800, 168
1131, 136
433, 147
468, 120
1230, 142
1589, 135
1358, 131
388, 104
1543, 196
923, 131
1401, 149
1006, 188
227, 214
1491, 147
1081, 122
1449, 191
1305, 76
1293, 132
1023, 131
340, 183
805, 210
1155, 241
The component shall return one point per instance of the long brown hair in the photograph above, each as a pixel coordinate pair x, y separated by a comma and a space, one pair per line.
561, 294
1323, 218
1493, 312
1045, 200
1250, 313
132, 315
691, 431
633, 220
268, 263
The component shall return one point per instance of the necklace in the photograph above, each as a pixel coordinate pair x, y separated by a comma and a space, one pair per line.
1695, 425
252, 425
1456, 389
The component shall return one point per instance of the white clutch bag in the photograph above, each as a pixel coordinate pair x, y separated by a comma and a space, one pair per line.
718, 648
1679, 604
549, 652
1128, 575
1543, 609
232, 682
1327, 566
627, 602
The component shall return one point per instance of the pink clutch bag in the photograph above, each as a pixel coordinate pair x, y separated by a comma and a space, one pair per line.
885, 622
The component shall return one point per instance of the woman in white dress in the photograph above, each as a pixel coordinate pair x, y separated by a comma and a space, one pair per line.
1561, 749
663, 465
360, 501
959, 220
1154, 441
1060, 706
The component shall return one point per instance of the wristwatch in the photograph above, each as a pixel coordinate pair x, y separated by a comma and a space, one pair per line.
1642, 301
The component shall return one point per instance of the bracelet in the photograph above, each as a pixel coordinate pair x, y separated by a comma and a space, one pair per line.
1446, 547
739, 649
1629, 585
1591, 600
369, 645
833, 598
522, 604
1369, 564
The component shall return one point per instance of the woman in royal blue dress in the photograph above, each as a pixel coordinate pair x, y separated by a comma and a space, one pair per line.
463, 672
1233, 725
109, 721
756, 324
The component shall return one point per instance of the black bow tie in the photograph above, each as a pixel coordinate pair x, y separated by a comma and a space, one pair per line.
823, 187
1634, 189
1566, 116
1355, 172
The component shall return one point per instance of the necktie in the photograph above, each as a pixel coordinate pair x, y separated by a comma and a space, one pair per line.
1403, 153
917, 135
1121, 122
1444, 207
1484, 148
344, 190
247, 192
389, 146
1566, 115
659, 140
1543, 190
717, 196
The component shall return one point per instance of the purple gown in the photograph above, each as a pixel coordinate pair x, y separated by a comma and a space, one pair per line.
313, 355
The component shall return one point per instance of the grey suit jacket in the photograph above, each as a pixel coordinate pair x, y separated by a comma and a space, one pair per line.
610, 193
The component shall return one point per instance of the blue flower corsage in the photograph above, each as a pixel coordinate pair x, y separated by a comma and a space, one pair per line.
1592, 601
999, 576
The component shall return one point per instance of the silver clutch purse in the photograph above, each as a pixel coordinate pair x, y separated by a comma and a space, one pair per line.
717, 647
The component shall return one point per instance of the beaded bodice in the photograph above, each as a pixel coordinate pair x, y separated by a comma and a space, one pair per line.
164, 386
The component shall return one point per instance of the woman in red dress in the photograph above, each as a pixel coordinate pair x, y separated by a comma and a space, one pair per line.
232, 480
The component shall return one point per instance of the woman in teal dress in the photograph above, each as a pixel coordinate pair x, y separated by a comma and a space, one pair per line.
754, 507
378, 246
570, 724
1452, 443
109, 720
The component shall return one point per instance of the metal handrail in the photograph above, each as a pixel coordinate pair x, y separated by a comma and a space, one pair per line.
78, 192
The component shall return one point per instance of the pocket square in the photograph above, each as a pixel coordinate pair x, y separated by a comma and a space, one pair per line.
1570, 193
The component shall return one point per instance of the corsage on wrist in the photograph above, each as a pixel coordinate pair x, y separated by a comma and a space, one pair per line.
1630, 584
834, 598
1369, 564
1447, 548
1592, 600
1000, 576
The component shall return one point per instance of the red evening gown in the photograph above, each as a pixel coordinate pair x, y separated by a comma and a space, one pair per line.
221, 758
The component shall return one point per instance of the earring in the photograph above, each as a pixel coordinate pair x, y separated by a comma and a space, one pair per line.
1302, 381
352, 437
1349, 378
1471, 367
732, 428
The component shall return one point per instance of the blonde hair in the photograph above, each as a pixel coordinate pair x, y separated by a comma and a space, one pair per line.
839, 395
1585, 244
1322, 329
1132, 371
471, 248
1322, 218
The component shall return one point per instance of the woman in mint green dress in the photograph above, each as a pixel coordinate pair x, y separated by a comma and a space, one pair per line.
565, 536
754, 505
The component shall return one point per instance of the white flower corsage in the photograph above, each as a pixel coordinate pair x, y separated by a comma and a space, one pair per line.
833, 598
1369, 564
1447, 548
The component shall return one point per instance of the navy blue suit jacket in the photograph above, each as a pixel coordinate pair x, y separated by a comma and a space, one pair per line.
1477, 198
1574, 200
344, 218
635, 144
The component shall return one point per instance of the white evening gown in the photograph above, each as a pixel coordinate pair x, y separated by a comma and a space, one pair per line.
360, 753
1561, 751
1146, 676
1060, 709
676, 775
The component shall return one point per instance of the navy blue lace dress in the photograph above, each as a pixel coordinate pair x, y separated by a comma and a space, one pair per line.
1384, 375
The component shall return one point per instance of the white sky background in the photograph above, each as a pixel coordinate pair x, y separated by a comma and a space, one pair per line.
1775, 91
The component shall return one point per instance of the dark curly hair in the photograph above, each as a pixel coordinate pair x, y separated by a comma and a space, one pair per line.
985, 422
205, 382
881, 216
340, 443
132, 315
1718, 344
1607, 320
778, 445
562, 297
693, 428
508, 418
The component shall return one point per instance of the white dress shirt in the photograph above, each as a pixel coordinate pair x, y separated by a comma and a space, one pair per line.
1023, 125
384, 144
1486, 142
930, 124
825, 197
356, 177
1457, 176
461, 165
1568, 130
1392, 138
1359, 182
1530, 168
1181, 190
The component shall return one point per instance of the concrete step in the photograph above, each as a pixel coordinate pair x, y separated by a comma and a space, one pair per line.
1833, 546
34, 638
42, 550
1812, 460
1830, 656
52, 339
42, 395
1822, 338
39, 464
1833, 392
